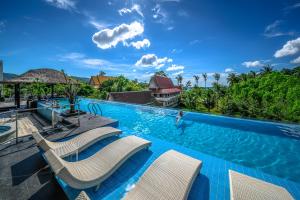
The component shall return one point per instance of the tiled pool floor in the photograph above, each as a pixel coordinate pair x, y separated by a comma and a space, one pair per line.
212, 182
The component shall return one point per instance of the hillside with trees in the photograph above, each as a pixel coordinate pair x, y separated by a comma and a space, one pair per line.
273, 95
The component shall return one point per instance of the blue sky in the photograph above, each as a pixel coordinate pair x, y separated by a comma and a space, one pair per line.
137, 38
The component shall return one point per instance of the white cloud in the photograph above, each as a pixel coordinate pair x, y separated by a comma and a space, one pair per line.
194, 42
175, 67
272, 30
108, 38
2, 26
135, 8
290, 48
292, 7
94, 62
256, 63
296, 61
174, 51
182, 13
177, 73
151, 60
98, 25
228, 70
72, 56
170, 28
160, 15
63, 4
82, 60
140, 44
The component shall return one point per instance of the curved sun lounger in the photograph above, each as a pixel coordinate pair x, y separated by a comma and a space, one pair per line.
171, 176
82, 196
243, 187
76, 144
95, 169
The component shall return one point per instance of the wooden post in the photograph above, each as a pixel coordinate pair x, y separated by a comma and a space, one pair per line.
17, 95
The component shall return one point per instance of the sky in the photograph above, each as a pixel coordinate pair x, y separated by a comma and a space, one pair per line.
137, 38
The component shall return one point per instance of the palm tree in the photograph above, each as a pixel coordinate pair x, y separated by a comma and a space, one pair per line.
252, 74
266, 69
204, 75
102, 73
217, 77
188, 84
243, 77
179, 79
232, 78
196, 80
161, 73
71, 90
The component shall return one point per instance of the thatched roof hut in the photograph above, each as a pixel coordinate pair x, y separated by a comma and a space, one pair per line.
44, 75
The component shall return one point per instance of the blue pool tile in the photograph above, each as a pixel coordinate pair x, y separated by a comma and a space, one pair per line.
211, 183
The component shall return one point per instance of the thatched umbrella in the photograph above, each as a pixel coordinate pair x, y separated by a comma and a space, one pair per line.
44, 75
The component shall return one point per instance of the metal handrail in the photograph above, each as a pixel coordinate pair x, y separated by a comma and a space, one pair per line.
93, 107
17, 111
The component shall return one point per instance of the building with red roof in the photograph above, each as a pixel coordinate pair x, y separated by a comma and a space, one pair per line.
164, 91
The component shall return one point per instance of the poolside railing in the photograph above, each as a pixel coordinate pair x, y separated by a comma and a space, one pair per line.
10, 122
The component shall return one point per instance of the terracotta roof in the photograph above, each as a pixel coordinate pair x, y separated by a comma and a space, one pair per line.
169, 91
162, 82
98, 80
137, 97
43, 75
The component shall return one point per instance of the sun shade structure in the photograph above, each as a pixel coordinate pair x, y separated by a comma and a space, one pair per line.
171, 176
243, 187
98, 167
76, 144
44, 75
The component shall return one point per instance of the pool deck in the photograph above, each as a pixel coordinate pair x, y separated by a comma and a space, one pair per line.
23, 172
211, 183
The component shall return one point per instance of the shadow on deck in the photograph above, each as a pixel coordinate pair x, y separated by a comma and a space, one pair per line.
24, 174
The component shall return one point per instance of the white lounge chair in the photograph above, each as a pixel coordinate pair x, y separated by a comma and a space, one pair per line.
95, 169
243, 187
171, 176
82, 196
76, 144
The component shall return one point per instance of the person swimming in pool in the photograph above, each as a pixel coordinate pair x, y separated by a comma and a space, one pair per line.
179, 116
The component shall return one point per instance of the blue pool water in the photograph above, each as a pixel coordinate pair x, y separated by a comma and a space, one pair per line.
271, 147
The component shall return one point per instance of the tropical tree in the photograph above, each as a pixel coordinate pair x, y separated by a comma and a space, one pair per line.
188, 84
161, 73
179, 79
196, 77
217, 77
252, 74
243, 77
71, 90
102, 73
232, 78
266, 69
204, 75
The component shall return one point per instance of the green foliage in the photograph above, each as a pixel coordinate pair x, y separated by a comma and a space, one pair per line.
268, 95
161, 73
119, 84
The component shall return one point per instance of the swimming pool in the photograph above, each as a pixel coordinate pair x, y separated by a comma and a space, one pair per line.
271, 147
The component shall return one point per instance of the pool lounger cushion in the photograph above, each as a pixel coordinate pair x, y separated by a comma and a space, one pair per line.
76, 144
243, 187
171, 176
98, 167
82, 196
